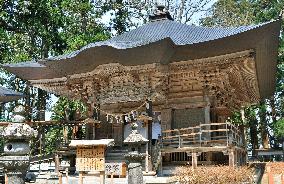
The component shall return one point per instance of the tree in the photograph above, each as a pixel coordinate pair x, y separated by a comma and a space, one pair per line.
32, 30
230, 13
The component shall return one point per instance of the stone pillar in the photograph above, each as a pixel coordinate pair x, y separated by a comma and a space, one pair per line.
135, 173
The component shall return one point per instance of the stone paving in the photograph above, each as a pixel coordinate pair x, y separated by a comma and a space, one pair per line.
96, 180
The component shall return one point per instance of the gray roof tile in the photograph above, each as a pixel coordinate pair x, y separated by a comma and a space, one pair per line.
180, 34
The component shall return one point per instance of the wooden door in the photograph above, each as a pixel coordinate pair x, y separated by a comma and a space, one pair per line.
117, 133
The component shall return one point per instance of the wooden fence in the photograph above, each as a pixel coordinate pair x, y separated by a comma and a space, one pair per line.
203, 135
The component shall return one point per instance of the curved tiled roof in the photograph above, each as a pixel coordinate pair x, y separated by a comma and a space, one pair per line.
165, 41
180, 34
7, 95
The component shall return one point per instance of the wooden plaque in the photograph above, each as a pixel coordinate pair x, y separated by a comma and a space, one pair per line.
90, 158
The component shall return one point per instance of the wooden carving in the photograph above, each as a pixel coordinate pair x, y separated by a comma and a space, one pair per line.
229, 79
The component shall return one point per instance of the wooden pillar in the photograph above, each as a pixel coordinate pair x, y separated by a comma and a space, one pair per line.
87, 133
65, 135
149, 111
147, 150
6, 178
209, 156
282, 177
102, 177
80, 177
207, 116
41, 139
57, 163
166, 121
67, 175
94, 131
194, 160
231, 158
111, 177
270, 175
59, 178
161, 164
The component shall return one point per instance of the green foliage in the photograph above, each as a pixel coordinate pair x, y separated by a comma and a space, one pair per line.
230, 13
66, 109
32, 30
53, 138
279, 128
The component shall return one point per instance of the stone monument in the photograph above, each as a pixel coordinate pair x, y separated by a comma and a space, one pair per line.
16, 148
134, 157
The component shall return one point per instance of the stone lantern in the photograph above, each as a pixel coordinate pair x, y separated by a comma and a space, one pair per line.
16, 148
134, 157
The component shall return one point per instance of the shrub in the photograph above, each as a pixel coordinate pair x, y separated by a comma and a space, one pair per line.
214, 175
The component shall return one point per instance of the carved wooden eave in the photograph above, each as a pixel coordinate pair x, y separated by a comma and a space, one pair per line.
229, 79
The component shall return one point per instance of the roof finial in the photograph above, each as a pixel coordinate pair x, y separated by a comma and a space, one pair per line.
160, 13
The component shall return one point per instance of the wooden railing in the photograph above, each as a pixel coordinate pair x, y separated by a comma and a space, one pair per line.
203, 135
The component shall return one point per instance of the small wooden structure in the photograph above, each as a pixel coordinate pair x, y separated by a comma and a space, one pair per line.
90, 156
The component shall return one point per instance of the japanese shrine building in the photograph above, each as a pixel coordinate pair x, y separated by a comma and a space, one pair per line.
194, 76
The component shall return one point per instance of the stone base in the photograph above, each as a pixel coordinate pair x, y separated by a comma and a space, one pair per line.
135, 174
16, 177
16, 168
